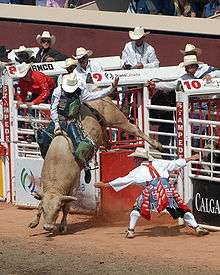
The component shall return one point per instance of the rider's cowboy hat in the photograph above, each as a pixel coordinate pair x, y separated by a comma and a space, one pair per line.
70, 83
45, 35
80, 52
139, 153
23, 49
191, 49
137, 33
69, 62
189, 60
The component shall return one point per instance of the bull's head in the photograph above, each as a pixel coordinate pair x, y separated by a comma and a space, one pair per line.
51, 204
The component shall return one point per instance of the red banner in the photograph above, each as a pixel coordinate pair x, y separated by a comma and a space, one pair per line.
7, 131
180, 129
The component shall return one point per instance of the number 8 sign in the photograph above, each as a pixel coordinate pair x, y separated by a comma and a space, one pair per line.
11, 70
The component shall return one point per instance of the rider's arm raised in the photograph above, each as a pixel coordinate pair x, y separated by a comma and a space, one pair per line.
87, 95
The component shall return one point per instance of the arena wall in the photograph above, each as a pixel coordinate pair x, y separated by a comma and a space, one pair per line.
106, 32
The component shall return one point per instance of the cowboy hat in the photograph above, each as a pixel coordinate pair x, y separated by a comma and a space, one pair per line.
80, 52
191, 49
70, 83
139, 153
137, 33
22, 70
23, 49
189, 60
46, 35
69, 62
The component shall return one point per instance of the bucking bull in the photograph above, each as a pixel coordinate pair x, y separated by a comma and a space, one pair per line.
60, 177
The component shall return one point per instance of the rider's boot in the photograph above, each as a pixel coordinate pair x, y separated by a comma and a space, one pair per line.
88, 174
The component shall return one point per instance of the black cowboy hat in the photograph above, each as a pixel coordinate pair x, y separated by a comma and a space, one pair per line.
4, 52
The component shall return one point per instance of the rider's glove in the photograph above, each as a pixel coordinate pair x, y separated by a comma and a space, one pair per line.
57, 127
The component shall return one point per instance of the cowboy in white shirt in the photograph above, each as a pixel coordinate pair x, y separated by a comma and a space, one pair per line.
138, 54
193, 67
85, 65
158, 194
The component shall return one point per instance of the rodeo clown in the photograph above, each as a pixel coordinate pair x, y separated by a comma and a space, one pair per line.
67, 99
158, 194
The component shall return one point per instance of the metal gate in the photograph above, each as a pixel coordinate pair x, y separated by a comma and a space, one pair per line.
198, 111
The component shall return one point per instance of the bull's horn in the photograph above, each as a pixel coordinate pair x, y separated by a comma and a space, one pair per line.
38, 195
68, 198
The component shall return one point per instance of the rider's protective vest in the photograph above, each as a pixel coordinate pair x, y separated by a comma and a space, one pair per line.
69, 105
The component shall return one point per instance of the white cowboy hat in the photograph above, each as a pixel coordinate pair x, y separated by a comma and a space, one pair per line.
139, 153
80, 52
69, 62
191, 49
137, 33
23, 49
70, 83
189, 60
46, 35
22, 70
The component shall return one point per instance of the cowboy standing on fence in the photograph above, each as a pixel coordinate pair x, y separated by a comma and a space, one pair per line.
39, 84
46, 53
138, 54
85, 64
194, 70
158, 194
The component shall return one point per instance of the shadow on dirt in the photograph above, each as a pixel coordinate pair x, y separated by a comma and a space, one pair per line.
163, 231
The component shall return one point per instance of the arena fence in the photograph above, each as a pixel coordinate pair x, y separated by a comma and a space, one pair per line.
182, 139
198, 132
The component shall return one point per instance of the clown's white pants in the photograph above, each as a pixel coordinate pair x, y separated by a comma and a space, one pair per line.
188, 218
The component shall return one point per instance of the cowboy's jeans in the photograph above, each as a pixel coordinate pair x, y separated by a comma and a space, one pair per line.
44, 137
83, 147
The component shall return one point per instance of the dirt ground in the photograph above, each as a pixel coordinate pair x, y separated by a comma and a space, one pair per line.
93, 246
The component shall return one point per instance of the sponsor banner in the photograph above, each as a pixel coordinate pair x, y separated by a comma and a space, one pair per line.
206, 202
137, 76
198, 86
127, 77
180, 129
56, 68
49, 68
87, 193
27, 180
6, 114
7, 132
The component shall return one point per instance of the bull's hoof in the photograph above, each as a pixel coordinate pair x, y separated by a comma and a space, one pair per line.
33, 224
